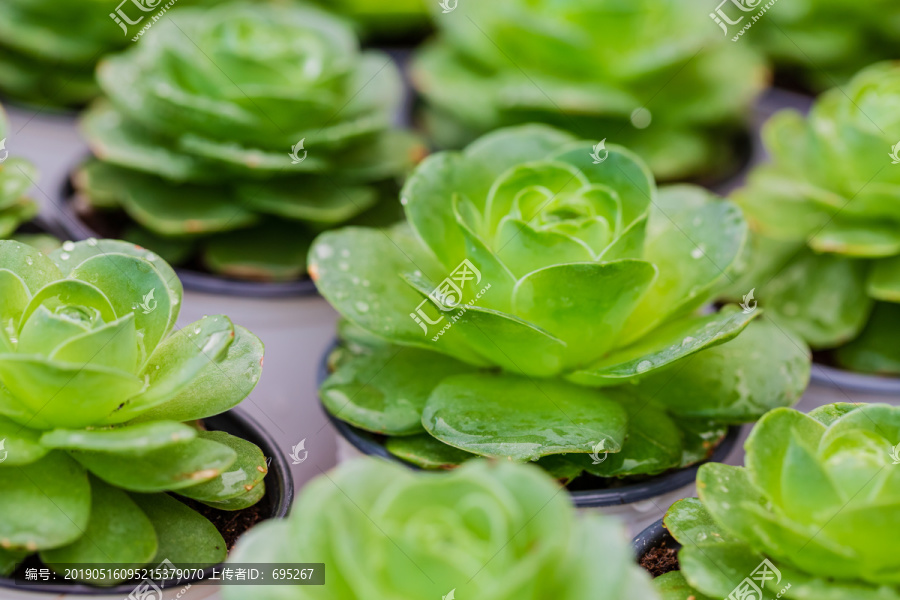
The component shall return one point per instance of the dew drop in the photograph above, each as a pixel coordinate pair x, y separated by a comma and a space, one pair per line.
324, 251
696, 253
641, 118
68, 246
64, 256
362, 307
29, 261
196, 330
644, 365
92, 242
404, 200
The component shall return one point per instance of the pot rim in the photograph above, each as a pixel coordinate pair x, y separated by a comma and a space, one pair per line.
656, 486
841, 379
279, 487
75, 229
651, 537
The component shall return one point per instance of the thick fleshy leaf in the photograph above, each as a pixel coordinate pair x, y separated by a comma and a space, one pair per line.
130, 439
44, 505
246, 473
427, 452
884, 280
858, 239
44, 331
717, 574
35, 269
691, 524
14, 297
178, 360
673, 586
583, 304
522, 419
218, 387
728, 494
71, 292
245, 500
114, 345
56, 394
118, 533
385, 391
319, 201
10, 559
19, 445
524, 249
665, 345
183, 535
876, 349
272, 251
736, 382
169, 468
132, 284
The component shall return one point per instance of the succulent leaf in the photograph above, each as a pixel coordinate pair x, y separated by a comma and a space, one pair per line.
184, 536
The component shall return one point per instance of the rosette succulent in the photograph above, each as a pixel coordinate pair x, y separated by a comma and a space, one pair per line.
819, 498
489, 530
97, 395
653, 75
16, 178
821, 43
540, 304
231, 134
825, 212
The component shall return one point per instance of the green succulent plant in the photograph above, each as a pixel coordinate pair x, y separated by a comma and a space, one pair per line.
16, 178
489, 530
817, 497
653, 75
97, 390
232, 134
825, 256
540, 304
823, 43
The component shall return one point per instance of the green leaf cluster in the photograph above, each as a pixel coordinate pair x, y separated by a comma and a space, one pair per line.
488, 530
198, 139
576, 328
653, 75
825, 254
96, 385
819, 496
16, 178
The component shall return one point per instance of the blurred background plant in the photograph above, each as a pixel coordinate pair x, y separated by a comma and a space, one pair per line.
653, 75
819, 44
391, 23
230, 135
488, 530
825, 215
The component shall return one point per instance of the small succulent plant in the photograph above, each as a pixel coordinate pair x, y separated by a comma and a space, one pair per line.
231, 134
825, 254
538, 304
823, 43
652, 75
16, 178
489, 530
96, 389
818, 498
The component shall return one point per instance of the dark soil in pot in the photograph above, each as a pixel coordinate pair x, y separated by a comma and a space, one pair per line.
231, 524
656, 551
79, 221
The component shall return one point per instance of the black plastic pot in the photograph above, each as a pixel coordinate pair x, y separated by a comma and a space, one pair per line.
850, 381
74, 228
653, 537
276, 503
583, 494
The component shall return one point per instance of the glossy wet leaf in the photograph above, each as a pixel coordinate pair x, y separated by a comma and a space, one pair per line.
673, 586
246, 473
118, 533
385, 391
46, 506
183, 535
875, 350
426, 452
20, 445
129, 439
536, 418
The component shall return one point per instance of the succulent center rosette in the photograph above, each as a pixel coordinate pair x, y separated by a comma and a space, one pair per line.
233, 133
528, 255
96, 385
816, 498
826, 216
650, 74
488, 530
